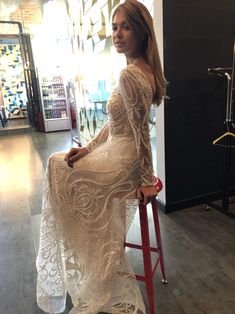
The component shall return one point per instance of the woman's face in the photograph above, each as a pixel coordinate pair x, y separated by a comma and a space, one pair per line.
124, 38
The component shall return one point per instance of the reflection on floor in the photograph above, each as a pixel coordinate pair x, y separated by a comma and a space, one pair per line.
16, 125
198, 245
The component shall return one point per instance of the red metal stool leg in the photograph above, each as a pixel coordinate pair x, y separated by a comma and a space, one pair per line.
147, 256
146, 248
158, 238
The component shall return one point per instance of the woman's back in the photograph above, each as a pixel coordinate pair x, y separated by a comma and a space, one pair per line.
134, 93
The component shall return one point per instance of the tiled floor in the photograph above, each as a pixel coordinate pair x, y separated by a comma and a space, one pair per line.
199, 245
22, 162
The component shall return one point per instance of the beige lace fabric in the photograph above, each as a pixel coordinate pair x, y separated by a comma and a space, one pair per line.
87, 210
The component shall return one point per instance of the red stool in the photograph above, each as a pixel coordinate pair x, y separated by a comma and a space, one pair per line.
149, 271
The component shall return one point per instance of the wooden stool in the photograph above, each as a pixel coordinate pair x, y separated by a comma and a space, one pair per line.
149, 271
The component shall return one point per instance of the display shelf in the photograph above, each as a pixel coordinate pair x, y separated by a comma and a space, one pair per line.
55, 106
53, 98
56, 119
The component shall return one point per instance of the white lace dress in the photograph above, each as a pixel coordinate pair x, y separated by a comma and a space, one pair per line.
87, 210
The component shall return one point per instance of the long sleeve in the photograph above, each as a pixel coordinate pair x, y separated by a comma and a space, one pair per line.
137, 105
99, 138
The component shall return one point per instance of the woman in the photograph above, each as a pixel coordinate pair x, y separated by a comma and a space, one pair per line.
88, 195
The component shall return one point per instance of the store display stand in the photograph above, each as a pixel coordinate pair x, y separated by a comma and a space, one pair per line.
227, 136
54, 103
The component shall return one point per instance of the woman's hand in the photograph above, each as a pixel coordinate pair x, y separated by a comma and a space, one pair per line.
74, 154
146, 193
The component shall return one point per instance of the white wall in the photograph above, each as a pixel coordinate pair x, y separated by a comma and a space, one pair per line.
160, 129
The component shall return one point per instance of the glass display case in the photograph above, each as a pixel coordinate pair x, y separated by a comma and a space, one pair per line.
54, 103
13, 95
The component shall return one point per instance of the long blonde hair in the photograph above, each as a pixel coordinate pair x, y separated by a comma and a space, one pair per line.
140, 20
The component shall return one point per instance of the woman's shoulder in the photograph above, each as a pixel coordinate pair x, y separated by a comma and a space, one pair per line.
133, 70
141, 74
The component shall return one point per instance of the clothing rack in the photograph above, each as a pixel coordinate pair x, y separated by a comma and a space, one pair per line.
229, 74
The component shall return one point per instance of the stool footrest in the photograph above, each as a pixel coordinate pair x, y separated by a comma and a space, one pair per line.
140, 277
140, 247
143, 278
155, 267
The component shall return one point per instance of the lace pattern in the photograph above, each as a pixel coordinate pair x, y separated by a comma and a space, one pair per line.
87, 211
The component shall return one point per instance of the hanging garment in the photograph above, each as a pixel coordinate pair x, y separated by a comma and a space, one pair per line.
87, 210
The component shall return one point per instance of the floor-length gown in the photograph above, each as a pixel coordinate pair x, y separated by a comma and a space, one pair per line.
87, 210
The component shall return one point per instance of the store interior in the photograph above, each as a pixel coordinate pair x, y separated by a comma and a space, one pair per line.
53, 79
53, 93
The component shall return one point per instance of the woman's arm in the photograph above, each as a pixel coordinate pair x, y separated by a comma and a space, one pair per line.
77, 153
99, 138
137, 110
